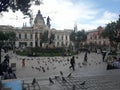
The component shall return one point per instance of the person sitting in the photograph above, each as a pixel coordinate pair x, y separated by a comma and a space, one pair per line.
11, 73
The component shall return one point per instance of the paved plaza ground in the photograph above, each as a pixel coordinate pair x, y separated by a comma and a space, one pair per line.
94, 74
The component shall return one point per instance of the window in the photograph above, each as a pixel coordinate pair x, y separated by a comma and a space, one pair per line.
31, 36
58, 37
66, 37
19, 36
25, 36
31, 44
62, 37
57, 43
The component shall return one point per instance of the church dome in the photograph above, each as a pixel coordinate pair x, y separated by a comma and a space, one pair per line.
39, 20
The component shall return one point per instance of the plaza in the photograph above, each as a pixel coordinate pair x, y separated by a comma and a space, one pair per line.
94, 73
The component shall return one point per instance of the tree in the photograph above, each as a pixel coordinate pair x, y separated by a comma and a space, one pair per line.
118, 30
52, 37
12, 38
72, 36
15, 5
44, 37
78, 37
112, 31
4, 37
81, 36
109, 31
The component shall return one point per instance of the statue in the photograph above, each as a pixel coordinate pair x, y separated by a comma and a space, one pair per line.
48, 21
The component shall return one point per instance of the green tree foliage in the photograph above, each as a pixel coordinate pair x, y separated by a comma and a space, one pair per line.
112, 32
72, 36
44, 37
52, 37
15, 5
78, 37
4, 37
11, 36
109, 31
81, 36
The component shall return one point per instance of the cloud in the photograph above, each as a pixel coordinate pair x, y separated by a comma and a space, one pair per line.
106, 18
64, 14
68, 13
86, 27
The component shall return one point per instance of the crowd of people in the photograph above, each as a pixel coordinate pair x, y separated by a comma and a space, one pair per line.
6, 71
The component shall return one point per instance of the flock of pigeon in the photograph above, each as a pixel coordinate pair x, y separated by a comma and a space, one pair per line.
52, 63
47, 64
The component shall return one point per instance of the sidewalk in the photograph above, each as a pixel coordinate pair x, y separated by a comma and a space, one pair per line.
94, 73
91, 83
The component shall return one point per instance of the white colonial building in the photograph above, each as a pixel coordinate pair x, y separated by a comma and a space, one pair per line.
30, 36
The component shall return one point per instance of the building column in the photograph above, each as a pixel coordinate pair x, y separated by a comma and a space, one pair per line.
33, 39
17, 44
38, 35
64, 39
68, 40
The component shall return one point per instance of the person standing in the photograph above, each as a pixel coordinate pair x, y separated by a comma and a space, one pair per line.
23, 62
72, 62
85, 57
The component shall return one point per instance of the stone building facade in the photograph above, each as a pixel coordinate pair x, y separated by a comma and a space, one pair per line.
94, 37
30, 36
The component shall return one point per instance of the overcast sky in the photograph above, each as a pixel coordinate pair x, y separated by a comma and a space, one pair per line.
88, 14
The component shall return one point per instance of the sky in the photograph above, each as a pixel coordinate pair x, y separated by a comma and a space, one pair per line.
64, 14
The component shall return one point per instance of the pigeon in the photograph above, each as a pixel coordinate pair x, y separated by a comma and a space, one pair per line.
63, 79
32, 67
34, 81
83, 83
51, 81
89, 64
61, 73
47, 68
38, 62
56, 77
43, 69
69, 75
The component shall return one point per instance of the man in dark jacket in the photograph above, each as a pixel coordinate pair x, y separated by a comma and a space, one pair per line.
72, 62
